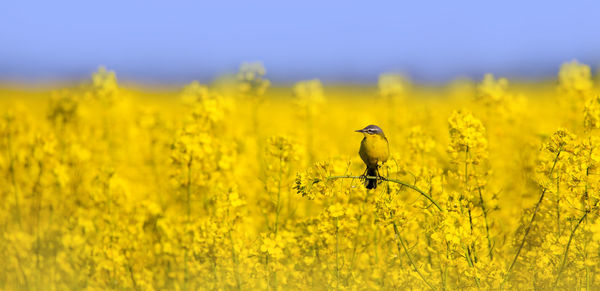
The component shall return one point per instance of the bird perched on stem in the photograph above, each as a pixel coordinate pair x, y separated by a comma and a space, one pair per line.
374, 150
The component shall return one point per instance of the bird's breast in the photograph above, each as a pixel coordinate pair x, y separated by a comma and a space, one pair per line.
374, 149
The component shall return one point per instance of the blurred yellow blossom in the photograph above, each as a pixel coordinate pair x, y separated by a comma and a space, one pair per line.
230, 186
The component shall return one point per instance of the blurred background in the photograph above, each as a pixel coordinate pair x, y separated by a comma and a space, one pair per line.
174, 42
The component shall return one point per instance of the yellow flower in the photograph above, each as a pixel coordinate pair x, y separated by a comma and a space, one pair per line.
392, 85
467, 137
592, 113
309, 97
251, 79
575, 77
492, 91
273, 245
336, 210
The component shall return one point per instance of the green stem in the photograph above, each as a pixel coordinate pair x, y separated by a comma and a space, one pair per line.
11, 170
235, 263
393, 181
528, 228
359, 219
565, 255
38, 194
471, 264
189, 187
558, 205
337, 252
410, 259
277, 211
587, 207
277, 206
487, 226
467, 190
268, 272
189, 212
132, 277
485, 218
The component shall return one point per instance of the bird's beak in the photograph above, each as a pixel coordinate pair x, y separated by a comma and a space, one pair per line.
360, 130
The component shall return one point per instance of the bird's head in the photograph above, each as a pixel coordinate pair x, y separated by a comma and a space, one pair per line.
371, 130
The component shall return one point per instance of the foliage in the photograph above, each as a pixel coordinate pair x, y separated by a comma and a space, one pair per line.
109, 187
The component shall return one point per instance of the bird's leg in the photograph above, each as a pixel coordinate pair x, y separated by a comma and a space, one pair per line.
364, 174
379, 177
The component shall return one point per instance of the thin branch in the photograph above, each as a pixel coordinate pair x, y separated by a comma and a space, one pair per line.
410, 259
535, 211
564, 260
487, 227
393, 181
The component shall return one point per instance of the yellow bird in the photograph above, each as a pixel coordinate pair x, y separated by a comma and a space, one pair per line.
374, 150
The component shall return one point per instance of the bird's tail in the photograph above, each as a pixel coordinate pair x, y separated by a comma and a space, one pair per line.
371, 183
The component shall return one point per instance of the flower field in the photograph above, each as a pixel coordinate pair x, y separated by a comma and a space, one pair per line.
246, 185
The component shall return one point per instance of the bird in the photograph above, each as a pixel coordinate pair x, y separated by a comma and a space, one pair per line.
374, 150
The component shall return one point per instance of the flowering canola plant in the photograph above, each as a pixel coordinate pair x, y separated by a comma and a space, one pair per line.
245, 185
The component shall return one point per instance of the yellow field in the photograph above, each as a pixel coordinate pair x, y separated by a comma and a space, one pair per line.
235, 185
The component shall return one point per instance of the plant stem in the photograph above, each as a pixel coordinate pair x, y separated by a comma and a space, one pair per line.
485, 218
235, 263
393, 181
277, 211
337, 254
38, 195
470, 261
528, 228
410, 259
188, 214
11, 170
359, 219
467, 190
277, 206
558, 205
268, 272
565, 255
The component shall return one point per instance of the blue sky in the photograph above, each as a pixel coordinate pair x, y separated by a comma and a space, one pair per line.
179, 41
